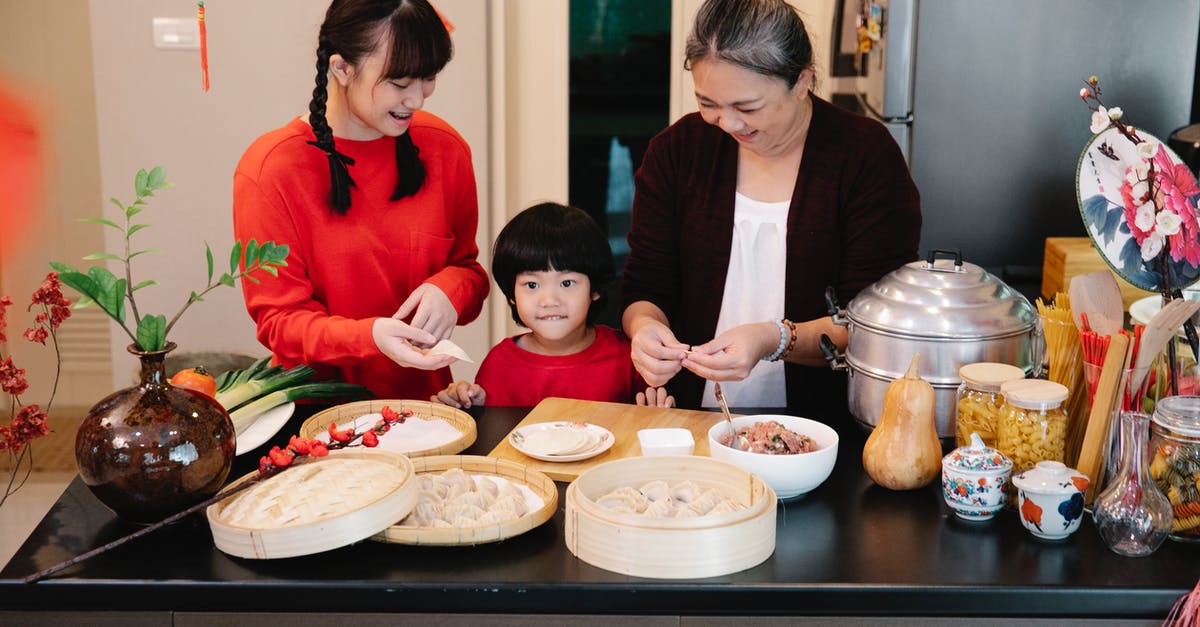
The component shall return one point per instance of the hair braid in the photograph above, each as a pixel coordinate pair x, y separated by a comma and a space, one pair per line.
409, 166
339, 174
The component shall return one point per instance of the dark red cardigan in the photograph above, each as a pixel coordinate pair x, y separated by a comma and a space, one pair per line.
855, 216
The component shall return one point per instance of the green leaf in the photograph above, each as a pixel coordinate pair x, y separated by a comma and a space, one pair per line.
143, 252
157, 178
95, 256
251, 279
115, 202
152, 332
194, 298
135, 228
147, 283
271, 270
277, 256
208, 257
133, 210
139, 183
104, 222
226, 280
77, 281
251, 253
109, 293
235, 257
83, 303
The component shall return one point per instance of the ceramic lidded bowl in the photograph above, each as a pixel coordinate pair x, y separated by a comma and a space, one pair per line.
1050, 499
973, 480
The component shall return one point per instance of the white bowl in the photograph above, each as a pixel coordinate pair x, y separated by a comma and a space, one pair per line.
789, 475
666, 441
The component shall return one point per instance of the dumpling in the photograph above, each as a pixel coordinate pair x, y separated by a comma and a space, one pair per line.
663, 508
656, 490
423, 515
456, 513
725, 507
707, 500
478, 499
514, 506
684, 491
487, 486
625, 500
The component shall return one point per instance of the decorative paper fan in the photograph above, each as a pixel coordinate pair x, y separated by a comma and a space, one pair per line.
1111, 216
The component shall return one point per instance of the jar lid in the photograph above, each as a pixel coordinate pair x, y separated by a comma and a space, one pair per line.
976, 457
988, 376
1179, 414
1050, 477
1034, 393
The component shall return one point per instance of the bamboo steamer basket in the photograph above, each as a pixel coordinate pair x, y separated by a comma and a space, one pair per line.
675, 548
425, 410
541, 485
336, 523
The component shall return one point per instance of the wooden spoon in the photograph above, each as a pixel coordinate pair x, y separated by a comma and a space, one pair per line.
1161, 328
1098, 295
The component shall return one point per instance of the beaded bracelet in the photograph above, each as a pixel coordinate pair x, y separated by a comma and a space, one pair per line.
792, 341
783, 340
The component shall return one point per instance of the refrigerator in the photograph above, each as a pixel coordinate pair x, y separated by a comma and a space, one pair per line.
983, 98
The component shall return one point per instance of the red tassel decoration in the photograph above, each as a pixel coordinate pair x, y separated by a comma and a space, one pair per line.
203, 44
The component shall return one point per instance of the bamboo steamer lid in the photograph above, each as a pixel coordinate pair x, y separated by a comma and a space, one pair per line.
321, 504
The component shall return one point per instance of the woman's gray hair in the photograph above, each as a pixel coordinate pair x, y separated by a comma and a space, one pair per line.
764, 36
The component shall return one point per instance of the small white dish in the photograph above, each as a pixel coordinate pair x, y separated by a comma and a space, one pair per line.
561, 441
264, 427
674, 441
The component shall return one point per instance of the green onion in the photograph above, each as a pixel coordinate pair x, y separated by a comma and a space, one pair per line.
247, 390
245, 415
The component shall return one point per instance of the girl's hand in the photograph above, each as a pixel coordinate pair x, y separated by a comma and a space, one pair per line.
399, 342
431, 311
461, 394
733, 354
656, 354
655, 397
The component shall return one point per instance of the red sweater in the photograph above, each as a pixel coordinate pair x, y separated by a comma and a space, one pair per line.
344, 271
513, 376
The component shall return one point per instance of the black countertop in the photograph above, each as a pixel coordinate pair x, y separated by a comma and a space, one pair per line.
849, 548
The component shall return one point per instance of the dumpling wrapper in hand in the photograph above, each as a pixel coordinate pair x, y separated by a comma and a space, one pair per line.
446, 347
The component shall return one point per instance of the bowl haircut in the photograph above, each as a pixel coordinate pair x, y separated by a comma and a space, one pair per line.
550, 236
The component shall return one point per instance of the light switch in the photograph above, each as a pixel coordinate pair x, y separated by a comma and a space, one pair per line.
176, 33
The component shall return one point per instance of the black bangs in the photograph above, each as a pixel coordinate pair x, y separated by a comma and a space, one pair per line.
420, 45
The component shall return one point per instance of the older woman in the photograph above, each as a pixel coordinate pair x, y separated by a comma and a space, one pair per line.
744, 213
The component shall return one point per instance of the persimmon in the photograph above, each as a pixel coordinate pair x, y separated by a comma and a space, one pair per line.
196, 379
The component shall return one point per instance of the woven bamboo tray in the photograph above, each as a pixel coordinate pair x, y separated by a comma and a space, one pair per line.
323, 492
678, 548
460, 420
541, 485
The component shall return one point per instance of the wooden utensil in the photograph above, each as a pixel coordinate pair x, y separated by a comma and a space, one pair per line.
1161, 328
1091, 452
1098, 295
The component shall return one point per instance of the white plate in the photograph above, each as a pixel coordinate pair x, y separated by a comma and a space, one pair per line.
1143, 309
264, 427
603, 440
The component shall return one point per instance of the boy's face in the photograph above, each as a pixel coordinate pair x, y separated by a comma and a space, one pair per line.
553, 304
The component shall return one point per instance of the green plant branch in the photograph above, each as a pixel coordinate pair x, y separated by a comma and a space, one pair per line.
197, 297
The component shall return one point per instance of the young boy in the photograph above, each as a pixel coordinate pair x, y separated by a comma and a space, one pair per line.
554, 265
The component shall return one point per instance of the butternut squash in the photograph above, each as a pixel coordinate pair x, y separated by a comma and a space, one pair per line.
904, 452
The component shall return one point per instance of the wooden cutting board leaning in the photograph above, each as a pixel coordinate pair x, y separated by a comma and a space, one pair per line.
623, 420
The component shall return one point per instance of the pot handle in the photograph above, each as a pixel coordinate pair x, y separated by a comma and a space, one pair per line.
837, 361
836, 313
933, 254
1039, 349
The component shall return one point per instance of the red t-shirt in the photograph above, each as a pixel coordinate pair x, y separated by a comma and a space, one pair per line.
513, 376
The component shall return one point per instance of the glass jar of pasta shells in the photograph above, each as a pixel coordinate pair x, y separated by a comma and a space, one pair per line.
979, 400
1033, 424
1175, 461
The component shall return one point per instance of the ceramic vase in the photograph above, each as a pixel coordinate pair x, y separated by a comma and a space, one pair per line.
153, 449
1131, 514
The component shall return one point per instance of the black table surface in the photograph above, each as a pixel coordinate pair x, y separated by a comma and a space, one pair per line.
849, 548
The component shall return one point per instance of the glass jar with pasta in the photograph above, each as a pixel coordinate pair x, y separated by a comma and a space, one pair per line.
979, 400
1175, 461
1032, 425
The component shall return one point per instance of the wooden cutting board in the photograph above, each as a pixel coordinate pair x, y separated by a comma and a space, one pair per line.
623, 420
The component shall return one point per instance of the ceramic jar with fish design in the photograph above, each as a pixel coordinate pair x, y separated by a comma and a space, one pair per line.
1050, 499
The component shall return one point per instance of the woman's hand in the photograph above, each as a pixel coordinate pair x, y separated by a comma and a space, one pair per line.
655, 397
431, 311
399, 341
461, 394
733, 354
656, 354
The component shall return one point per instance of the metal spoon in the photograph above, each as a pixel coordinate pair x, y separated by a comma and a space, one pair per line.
738, 442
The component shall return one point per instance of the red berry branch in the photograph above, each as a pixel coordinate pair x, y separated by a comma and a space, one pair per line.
298, 451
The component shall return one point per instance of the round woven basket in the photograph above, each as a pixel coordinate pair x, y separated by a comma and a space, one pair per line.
326, 494
671, 548
541, 485
423, 410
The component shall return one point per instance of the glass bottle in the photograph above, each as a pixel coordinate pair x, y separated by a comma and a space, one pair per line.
1131, 514
978, 400
1175, 461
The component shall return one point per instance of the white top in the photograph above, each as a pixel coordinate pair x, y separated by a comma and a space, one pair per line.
754, 293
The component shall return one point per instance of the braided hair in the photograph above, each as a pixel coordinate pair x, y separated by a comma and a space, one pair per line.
419, 46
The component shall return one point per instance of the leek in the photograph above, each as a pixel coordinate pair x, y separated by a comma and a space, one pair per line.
246, 389
245, 415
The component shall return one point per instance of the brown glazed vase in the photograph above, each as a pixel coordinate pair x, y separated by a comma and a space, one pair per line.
152, 450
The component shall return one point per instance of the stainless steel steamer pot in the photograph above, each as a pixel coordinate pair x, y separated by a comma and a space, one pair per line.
952, 313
